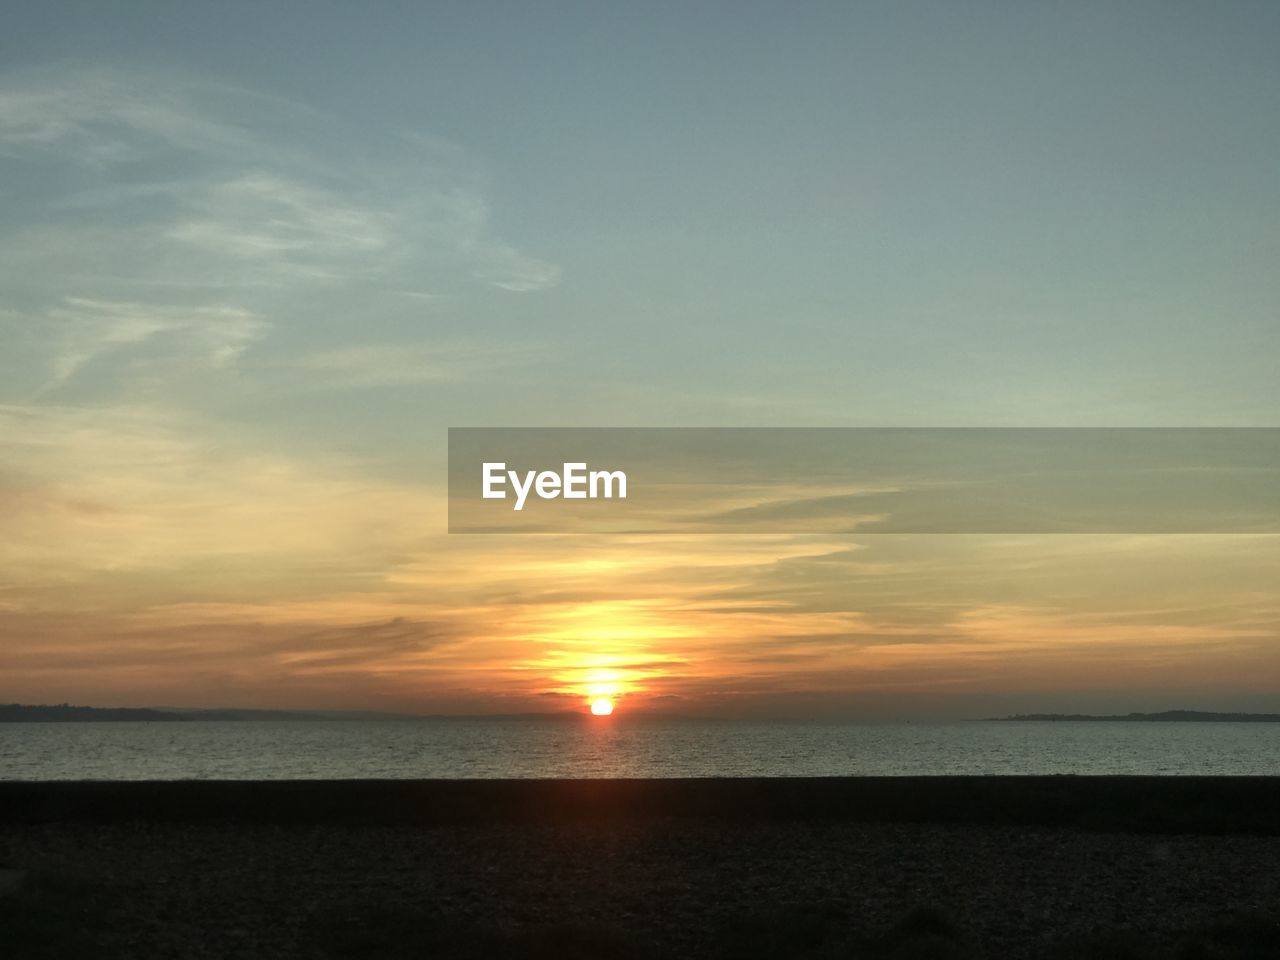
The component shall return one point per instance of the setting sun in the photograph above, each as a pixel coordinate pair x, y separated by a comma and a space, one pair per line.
602, 707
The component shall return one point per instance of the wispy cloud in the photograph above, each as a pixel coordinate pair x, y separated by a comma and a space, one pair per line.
86, 329
186, 217
244, 175
388, 364
134, 489
105, 116
298, 229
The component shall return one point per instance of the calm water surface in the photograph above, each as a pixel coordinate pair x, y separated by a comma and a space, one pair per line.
621, 747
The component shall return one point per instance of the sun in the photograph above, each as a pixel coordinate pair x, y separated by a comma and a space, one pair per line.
602, 707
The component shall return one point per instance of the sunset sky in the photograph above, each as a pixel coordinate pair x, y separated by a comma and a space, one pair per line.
253, 266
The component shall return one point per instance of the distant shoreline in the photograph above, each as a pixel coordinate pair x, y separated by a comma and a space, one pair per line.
67, 713
1166, 716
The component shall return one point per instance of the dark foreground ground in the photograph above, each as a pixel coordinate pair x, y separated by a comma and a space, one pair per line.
870, 868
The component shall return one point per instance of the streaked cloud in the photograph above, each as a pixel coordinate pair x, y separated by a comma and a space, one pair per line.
85, 329
388, 364
178, 215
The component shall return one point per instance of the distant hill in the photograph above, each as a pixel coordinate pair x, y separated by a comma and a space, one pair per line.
1198, 716
230, 713
24, 713
65, 713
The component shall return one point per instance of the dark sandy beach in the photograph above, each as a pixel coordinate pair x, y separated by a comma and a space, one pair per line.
955, 867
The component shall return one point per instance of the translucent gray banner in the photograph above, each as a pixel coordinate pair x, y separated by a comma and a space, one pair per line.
864, 480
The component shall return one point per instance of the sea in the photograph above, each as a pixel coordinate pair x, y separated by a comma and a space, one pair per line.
624, 747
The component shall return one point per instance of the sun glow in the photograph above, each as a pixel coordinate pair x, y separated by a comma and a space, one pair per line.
602, 707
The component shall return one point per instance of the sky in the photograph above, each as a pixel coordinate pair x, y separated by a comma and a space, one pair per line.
253, 265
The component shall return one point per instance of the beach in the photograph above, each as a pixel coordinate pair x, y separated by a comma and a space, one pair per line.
714, 868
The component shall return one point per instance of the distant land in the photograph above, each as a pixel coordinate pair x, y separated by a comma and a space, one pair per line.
1198, 716
226, 713
62, 712
66, 713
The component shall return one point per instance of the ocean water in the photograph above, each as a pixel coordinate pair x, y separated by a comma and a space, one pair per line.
623, 747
